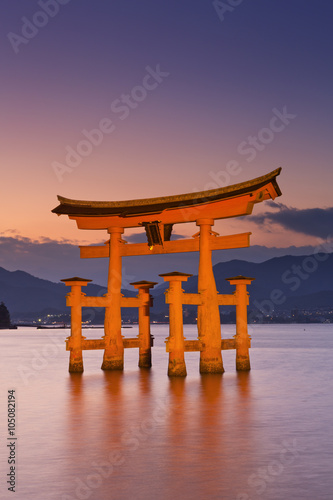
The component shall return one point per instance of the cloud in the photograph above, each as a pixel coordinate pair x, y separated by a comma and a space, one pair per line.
12, 232
49, 259
310, 221
54, 260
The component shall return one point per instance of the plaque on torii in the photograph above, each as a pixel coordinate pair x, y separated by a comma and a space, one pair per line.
157, 217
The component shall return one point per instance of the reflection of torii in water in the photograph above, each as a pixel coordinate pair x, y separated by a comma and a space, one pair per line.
157, 216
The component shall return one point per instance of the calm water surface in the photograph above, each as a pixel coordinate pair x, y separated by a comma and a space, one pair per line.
140, 435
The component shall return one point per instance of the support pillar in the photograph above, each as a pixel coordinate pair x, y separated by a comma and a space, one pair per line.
73, 299
175, 341
243, 340
209, 324
114, 351
144, 322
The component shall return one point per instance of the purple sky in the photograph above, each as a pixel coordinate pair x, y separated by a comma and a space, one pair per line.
179, 90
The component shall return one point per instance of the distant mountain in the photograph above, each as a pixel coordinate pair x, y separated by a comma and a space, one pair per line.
281, 283
312, 301
28, 296
297, 281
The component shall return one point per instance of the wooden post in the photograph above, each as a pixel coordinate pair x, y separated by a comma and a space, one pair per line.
114, 351
243, 340
209, 324
73, 299
144, 322
175, 342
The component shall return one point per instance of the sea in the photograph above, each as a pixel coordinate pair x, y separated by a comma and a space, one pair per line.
138, 434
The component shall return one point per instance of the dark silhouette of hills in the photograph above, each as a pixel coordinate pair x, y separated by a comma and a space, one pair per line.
300, 282
312, 301
28, 296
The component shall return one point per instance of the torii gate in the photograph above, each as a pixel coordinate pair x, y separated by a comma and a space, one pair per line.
157, 216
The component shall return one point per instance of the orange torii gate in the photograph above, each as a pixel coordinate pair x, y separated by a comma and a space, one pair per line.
157, 216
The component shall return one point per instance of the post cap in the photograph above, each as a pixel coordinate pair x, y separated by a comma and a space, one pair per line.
175, 276
76, 281
144, 284
237, 280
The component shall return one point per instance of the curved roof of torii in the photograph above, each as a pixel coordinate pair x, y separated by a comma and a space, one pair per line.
215, 203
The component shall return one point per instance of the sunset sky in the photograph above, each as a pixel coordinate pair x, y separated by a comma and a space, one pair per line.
180, 89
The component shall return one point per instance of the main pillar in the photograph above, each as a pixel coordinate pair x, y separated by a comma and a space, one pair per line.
243, 340
144, 322
114, 351
74, 342
209, 324
175, 341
